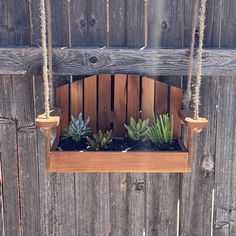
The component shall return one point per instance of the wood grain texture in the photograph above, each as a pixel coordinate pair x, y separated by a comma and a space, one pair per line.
165, 29
147, 98
62, 101
161, 98
150, 61
197, 187
119, 162
88, 23
28, 179
90, 101
225, 148
104, 102
9, 161
120, 104
76, 98
133, 103
175, 106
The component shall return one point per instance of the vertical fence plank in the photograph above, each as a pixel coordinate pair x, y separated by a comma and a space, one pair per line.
104, 102
147, 98
165, 29
8, 150
28, 179
118, 182
225, 202
120, 93
76, 98
161, 98
175, 106
127, 191
133, 104
62, 101
89, 28
196, 188
90, 101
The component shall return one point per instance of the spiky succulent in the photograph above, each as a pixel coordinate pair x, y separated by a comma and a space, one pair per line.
161, 131
100, 141
137, 129
77, 128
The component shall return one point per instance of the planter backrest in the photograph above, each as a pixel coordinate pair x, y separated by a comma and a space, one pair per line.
110, 100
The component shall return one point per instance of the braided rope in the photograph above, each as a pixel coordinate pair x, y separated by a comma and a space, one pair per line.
196, 98
45, 58
188, 94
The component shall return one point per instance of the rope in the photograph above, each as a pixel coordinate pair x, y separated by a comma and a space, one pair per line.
196, 98
188, 94
50, 80
45, 58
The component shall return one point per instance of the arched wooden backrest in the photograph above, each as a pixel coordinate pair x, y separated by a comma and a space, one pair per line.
110, 100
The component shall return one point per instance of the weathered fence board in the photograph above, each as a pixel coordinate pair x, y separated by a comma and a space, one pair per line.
89, 61
9, 162
37, 203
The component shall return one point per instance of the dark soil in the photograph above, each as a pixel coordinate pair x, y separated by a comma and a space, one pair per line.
118, 145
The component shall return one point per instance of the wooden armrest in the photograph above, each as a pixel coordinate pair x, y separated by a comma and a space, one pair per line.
187, 117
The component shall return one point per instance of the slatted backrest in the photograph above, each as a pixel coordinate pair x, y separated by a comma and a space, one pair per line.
110, 100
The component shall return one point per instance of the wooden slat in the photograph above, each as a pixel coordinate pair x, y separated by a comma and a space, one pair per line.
8, 150
165, 29
90, 101
147, 98
150, 61
89, 27
76, 98
104, 102
62, 101
133, 105
161, 98
120, 99
28, 163
175, 106
23, 95
119, 162
196, 220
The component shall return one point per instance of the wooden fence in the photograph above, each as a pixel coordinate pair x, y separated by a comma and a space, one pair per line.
34, 202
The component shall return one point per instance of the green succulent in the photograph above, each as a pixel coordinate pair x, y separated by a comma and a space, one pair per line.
161, 131
100, 141
77, 128
137, 130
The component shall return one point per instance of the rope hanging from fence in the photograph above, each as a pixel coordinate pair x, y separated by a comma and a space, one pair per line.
46, 68
188, 93
196, 97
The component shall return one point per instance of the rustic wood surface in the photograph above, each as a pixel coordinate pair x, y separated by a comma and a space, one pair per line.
38, 203
89, 61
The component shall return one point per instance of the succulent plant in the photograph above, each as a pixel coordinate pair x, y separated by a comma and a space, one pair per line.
100, 141
77, 128
137, 130
161, 131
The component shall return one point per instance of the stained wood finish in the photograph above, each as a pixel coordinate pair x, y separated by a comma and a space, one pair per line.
133, 104
175, 106
90, 101
147, 98
104, 102
76, 98
120, 103
62, 101
161, 98
90, 61
119, 162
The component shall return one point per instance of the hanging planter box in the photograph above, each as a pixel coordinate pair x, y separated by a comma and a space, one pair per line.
72, 98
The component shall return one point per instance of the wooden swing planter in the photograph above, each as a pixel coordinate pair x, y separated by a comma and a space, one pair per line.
131, 161
171, 161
